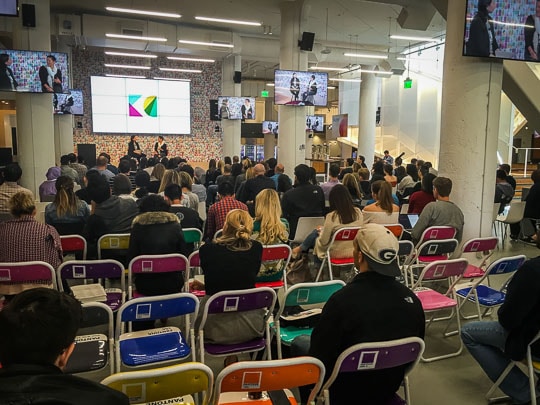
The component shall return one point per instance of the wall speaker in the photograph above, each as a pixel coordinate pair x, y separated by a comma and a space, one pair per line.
237, 78
28, 15
88, 151
306, 44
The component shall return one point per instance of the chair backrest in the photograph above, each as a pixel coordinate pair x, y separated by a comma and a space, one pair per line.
270, 375
405, 248
146, 264
157, 307
396, 229
480, 245
443, 269
47, 198
113, 241
515, 213
192, 235
27, 272
161, 384
347, 233
437, 247
90, 269
311, 293
276, 252
404, 209
240, 301
506, 265
496, 209
73, 243
305, 226
437, 232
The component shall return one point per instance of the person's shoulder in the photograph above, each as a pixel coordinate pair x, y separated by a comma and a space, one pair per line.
94, 391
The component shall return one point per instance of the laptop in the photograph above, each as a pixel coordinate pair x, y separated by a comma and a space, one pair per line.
408, 220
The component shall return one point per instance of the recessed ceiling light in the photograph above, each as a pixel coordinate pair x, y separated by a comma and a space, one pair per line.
347, 80
330, 69
191, 59
172, 78
134, 55
180, 70
331, 87
227, 21
382, 72
366, 55
128, 76
143, 12
270, 84
412, 38
127, 66
218, 44
120, 36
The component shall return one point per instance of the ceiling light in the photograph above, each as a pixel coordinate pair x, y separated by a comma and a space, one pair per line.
270, 84
119, 36
366, 55
227, 21
190, 59
135, 55
401, 58
330, 69
347, 80
331, 87
127, 66
180, 70
128, 76
382, 72
218, 44
143, 12
419, 39
172, 78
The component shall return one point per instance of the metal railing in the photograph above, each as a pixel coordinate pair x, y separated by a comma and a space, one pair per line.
526, 157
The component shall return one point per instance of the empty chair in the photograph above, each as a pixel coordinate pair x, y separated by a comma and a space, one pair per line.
515, 215
305, 226
483, 246
437, 232
396, 229
74, 244
345, 234
193, 236
428, 252
275, 259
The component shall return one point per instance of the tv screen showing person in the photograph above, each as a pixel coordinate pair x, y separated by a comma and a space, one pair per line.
236, 108
69, 103
300, 88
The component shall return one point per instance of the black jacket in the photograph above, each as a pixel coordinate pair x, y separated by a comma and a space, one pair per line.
25, 384
305, 200
478, 43
532, 204
529, 32
5, 82
254, 186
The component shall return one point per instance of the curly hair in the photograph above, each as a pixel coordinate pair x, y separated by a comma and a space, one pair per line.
268, 213
237, 231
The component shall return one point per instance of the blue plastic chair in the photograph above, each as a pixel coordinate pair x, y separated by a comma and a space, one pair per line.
158, 345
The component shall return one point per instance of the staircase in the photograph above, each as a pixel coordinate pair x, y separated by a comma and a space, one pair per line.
517, 172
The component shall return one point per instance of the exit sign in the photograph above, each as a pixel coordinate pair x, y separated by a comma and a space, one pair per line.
407, 83
264, 93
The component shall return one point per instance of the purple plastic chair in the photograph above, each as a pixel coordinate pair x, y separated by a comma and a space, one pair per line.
377, 356
227, 302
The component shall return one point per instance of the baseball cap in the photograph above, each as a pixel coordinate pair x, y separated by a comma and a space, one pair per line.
380, 248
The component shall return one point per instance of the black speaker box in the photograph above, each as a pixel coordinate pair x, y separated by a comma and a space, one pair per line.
88, 151
237, 78
28, 15
306, 44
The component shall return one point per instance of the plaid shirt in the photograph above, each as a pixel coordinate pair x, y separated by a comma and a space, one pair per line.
6, 191
218, 211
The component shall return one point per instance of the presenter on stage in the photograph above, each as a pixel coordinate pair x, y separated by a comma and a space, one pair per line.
160, 148
134, 150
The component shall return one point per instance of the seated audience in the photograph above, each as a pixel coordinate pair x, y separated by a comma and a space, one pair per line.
278, 171
190, 199
10, 186
348, 169
365, 185
284, 184
142, 183
23, 239
351, 184
212, 173
442, 212
510, 179
121, 187
389, 175
532, 205
384, 210
378, 171
155, 178
102, 168
189, 218
38, 337
66, 213
333, 173
217, 213
419, 199
79, 168
169, 177
407, 185
67, 170
504, 193
256, 184
196, 187
82, 194
48, 187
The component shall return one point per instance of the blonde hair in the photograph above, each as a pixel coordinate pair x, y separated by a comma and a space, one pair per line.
22, 203
170, 177
186, 180
237, 230
350, 181
159, 171
220, 165
268, 213
65, 200
250, 173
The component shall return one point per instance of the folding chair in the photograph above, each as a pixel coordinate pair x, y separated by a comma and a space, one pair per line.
234, 382
433, 301
275, 257
193, 235
165, 385
428, 252
157, 345
485, 296
236, 301
84, 270
405, 253
95, 350
113, 246
486, 247
74, 244
532, 368
154, 264
194, 267
346, 234
305, 226
38, 273
437, 233
515, 215
396, 229
298, 295
377, 356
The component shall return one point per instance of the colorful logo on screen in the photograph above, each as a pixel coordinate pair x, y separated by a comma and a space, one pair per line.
139, 107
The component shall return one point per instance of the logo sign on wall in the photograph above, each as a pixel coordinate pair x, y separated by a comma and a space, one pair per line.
139, 106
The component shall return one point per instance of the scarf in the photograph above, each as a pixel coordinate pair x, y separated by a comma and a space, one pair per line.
52, 73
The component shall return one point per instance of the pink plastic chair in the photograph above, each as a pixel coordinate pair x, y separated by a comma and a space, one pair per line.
486, 246
194, 264
437, 232
36, 272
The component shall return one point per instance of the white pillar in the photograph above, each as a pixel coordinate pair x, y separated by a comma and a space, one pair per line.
471, 101
35, 129
63, 136
292, 120
367, 116
269, 145
231, 128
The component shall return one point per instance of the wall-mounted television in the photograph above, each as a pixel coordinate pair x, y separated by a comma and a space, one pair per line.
140, 106
270, 127
236, 108
510, 25
35, 71
9, 8
315, 123
69, 103
292, 87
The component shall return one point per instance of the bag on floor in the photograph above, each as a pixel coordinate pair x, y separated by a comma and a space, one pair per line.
298, 270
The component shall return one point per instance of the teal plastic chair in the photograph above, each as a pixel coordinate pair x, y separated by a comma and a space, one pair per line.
300, 295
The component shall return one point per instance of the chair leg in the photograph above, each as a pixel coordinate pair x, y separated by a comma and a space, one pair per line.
498, 382
319, 273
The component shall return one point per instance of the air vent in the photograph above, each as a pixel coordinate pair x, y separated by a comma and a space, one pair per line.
133, 32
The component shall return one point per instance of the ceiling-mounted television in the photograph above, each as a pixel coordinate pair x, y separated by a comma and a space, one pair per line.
9, 8
270, 127
315, 123
140, 106
502, 30
69, 103
34, 71
236, 108
297, 88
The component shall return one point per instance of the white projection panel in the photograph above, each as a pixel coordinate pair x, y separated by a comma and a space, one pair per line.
140, 106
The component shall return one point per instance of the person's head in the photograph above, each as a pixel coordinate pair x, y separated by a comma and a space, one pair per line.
486, 5
236, 159
158, 171
51, 60
173, 193
22, 203
170, 177
225, 189
378, 167
64, 160
412, 171
356, 166
535, 176
53, 173
388, 169
237, 230
294, 74
398, 162
427, 183
381, 191
386, 153
376, 249
302, 173
236, 169
506, 166
350, 161
106, 155
364, 174
227, 169
279, 169
312, 77
124, 166
101, 161
153, 203
160, 138
212, 164
134, 138
12, 172
537, 11
361, 159
65, 199
268, 212
247, 102
400, 172
72, 157
272, 162
351, 184
341, 204
500, 176
442, 187
186, 181
188, 169
142, 179
334, 170
121, 184
246, 164
4, 59
39, 327
283, 183
98, 189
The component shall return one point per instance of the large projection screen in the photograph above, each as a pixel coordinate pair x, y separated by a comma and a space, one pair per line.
140, 106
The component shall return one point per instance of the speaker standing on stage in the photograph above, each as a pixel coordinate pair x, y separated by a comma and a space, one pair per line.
160, 148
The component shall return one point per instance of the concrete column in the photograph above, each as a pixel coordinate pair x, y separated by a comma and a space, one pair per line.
231, 128
471, 101
269, 145
63, 136
367, 115
35, 129
292, 120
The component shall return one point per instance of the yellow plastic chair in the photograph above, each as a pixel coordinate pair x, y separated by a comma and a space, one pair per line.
113, 244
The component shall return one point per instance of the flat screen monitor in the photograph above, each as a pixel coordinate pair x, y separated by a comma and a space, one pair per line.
270, 127
69, 103
292, 87
315, 123
236, 108
35, 71
511, 25
9, 8
140, 106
